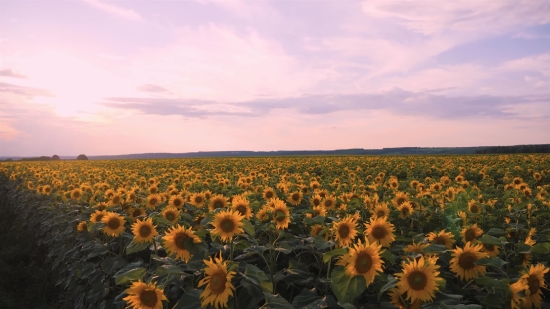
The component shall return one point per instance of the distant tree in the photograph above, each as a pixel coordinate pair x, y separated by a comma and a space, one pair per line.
55, 157
82, 157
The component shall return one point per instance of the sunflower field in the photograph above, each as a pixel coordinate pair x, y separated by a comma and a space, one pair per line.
291, 232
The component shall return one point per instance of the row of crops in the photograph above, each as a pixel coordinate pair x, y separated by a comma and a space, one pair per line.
303, 232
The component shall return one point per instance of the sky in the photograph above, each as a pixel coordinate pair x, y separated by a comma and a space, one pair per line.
103, 77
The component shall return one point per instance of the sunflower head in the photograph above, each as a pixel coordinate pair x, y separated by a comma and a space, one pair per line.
295, 198
345, 231
363, 260
227, 223
470, 233
142, 295
442, 238
153, 200
171, 214
280, 213
217, 282
217, 201
144, 231
175, 241
419, 280
176, 201
114, 224
463, 261
381, 231
241, 205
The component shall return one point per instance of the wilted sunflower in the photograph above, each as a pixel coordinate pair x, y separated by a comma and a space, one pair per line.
470, 233
535, 280
515, 288
144, 296
197, 200
175, 239
381, 210
419, 280
380, 230
400, 198
268, 194
242, 205
176, 201
144, 231
295, 198
442, 238
153, 200
227, 223
463, 261
405, 209
82, 226
114, 224
281, 215
345, 231
171, 214
218, 283
363, 260
97, 216
217, 201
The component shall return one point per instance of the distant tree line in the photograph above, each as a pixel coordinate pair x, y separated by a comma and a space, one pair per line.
544, 148
46, 158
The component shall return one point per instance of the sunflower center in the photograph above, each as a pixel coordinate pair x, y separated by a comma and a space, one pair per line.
489, 247
328, 203
145, 231
380, 213
218, 204
280, 216
439, 240
379, 232
98, 217
295, 197
363, 263
113, 223
417, 280
400, 201
343, 231
198, 199
136, 213
469, 235
269, 194
533, 282
466, 260
116, 199
148, 298
404, 211
474, 209
179, 240
227, 225
153, 201
316, 202
177, 202
217, 282
170, 216
241, 209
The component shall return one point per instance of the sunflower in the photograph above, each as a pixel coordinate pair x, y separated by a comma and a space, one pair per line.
218, 201
405, 209
242, 205
396, 299
474, 207
268, 194
114, 224
329, 202
490, 249
197, 199
442, 238
316, 229
400, 198
264, 213
515, 288
470, 233
116, 200
175, 239
171, 214
218, 283
82, 226
419, 280
381, 210
281, 215
319, 211
176, 201
144, 296
463, 261
153, 190
315, 200
153, 200
363, 260
227, 223
76, 194
415, 248
47, 189
535, 280
345, 231
380, 230
295, 198
144, 231
97, 216
137, 212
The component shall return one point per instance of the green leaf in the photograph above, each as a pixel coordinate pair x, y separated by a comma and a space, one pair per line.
491, 285
435, 248
493, 262
346, 288
388, 256
523, 248
248, 228
189, 300
276, 301
496, 232
541, 248
111, 264
328, 255
490, 240
129, 276
390, 285
306, 298
134, 246
249, 295
258, 277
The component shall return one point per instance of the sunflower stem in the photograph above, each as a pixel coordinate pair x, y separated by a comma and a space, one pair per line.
155, 245
231, 249
120, 244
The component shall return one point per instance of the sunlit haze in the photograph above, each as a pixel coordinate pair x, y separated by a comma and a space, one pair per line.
116, 77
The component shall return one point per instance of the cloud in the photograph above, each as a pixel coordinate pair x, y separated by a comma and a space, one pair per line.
11, 73
115, 10
25, 91
151, 88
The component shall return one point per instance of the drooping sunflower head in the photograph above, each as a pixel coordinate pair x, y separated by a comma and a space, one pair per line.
82, 226
470, 233
535, 281
144, 296
217, 282
227, 223
171, 214
345, 231
242, 205
264, 214
363, 260
442, 238
144, 231
419, 280
153, 200
380, 230
175, 241
217, 201
463, 261
114, 224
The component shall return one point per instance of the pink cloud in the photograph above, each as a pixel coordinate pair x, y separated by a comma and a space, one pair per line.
115, 10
